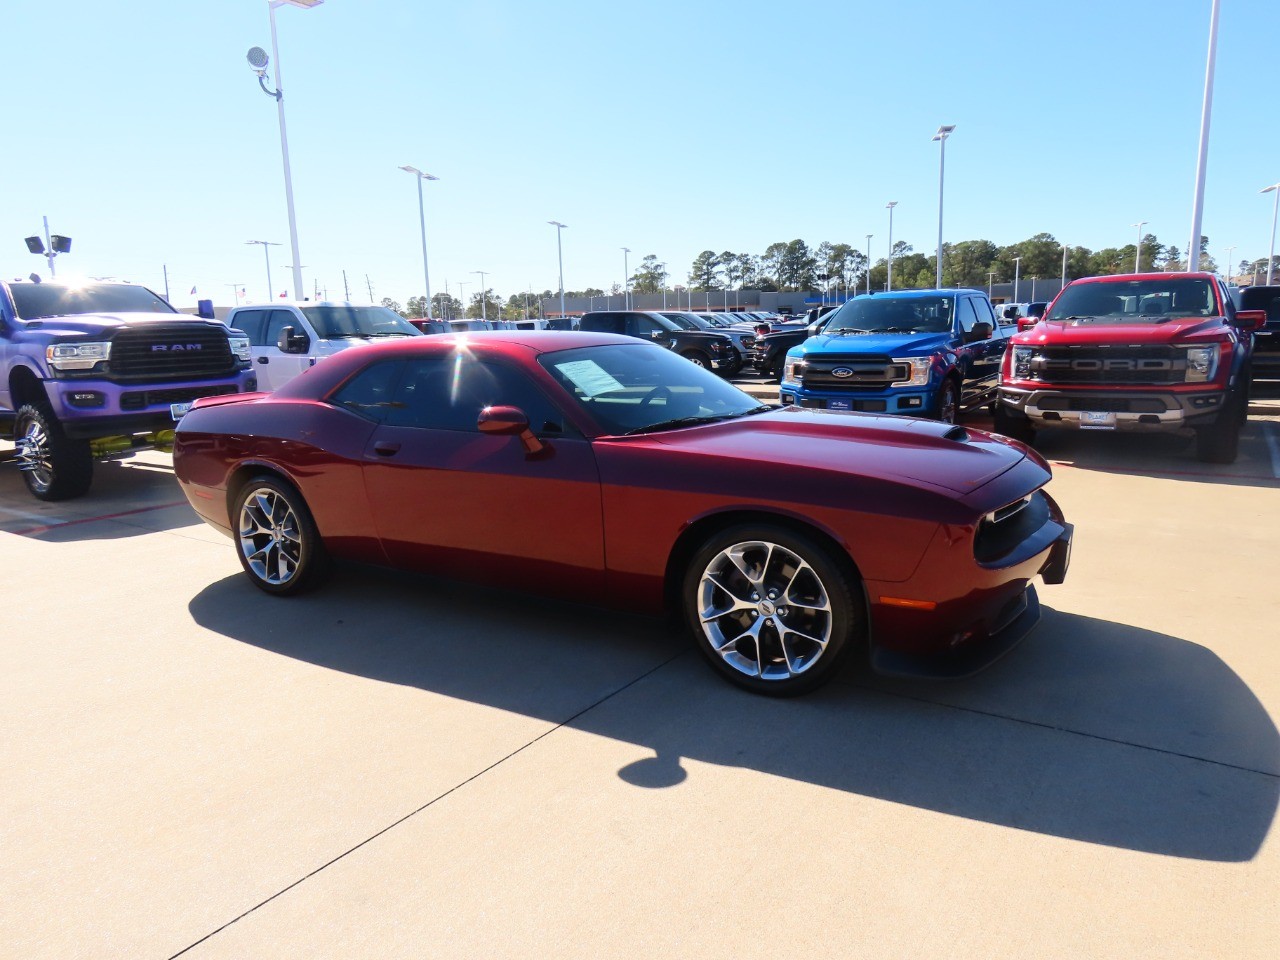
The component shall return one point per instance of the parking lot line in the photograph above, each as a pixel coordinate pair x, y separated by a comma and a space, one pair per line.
45, 528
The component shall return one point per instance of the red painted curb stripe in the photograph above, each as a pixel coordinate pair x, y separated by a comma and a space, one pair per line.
33, 531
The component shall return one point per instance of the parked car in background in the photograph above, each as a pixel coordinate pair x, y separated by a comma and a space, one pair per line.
926, 353
789, 540
95, 369
714, 351
1155, 351
743, 338
1266, 339
288, 338
769, 353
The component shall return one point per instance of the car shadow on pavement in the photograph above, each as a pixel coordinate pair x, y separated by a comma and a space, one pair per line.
128, 498
1092, 731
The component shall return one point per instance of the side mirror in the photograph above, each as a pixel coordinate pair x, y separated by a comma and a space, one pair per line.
660, 336
292, 342
981, 331
1250, 321
813, 329
1026, 323
1037, 310
204, 310
1010, 313
510, 422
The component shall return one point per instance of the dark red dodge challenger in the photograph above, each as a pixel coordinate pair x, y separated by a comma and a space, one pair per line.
598, 468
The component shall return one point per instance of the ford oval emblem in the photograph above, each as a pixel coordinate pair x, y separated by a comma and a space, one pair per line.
842, 372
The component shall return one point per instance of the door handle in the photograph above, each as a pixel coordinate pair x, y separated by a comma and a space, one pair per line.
386, 448
264, 359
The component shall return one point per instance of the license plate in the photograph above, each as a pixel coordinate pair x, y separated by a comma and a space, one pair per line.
1097, 421
839, 404
179, 410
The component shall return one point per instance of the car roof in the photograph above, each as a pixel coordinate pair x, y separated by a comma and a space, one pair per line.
911, 294
1125, 277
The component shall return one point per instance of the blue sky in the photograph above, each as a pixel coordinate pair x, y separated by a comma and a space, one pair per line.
668, 127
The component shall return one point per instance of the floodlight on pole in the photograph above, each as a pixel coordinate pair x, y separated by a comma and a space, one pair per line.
266, 251
1271, 254
1137, 257
944, 131
422, 222
626, 279
52, 245
258, 61
560, 256
889, 260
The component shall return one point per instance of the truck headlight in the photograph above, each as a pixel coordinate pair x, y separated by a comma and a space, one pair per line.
77, 356
794, 369
1022, 363
1202, 364
919, 367
240, 347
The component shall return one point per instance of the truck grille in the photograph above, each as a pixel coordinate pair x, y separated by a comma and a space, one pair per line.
139, 399
179, 351
863, 372
1105, 365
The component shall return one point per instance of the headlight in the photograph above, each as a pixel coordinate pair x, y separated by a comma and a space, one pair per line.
1202, 364
77, 356
1022, 363
794, 369
919, 367
240, 347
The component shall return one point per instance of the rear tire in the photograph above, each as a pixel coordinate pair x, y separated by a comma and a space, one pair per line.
54, 466
276, 538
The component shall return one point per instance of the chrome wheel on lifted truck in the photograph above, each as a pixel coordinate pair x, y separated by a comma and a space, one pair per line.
53, 466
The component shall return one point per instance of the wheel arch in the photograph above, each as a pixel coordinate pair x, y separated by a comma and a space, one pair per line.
247, 471
25, 386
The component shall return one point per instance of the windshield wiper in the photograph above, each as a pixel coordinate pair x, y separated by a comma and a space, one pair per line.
692, 421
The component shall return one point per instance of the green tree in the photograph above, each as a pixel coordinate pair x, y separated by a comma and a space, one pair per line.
391, 305
446, 307
650, 276
486, 305
704, 274
798, 267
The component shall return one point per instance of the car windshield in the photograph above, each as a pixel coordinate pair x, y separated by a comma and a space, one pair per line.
1136, 301
33, 301
630, 388
893, 315
331, 323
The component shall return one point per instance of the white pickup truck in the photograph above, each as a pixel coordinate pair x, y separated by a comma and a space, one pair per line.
288, 337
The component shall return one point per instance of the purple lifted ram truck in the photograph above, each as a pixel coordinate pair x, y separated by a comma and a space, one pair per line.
96, 370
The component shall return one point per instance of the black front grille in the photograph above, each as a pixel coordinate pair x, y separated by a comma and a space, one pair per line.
1096, 365
138, 399
859, 372
177, 351
1104, 404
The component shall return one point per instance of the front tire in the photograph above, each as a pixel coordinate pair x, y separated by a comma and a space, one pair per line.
697, 358
54, 466
947, 403
771, 610
276, 538
1220, 442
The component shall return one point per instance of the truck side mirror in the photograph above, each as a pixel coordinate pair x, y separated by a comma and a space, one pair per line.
1250, 321
1026, 323
981, 331
290, 341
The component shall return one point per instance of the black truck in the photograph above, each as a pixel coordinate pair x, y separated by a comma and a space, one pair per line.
714, 351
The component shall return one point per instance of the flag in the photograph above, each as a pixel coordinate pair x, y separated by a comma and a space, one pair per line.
193, 291
240, 293
284, 294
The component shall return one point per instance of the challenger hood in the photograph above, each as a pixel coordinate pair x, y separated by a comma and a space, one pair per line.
877, 344
922, 452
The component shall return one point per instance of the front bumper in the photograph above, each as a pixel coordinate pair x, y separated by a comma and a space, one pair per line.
101, 408
915, 401
1129, 409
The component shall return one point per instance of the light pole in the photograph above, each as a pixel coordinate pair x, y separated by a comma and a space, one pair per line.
1275, 208
1230, 250
1137, 257
484, 296
1064, 267
266, 250
1202, 159
422, 222
664, 285
462, 286
258, 61
869, 236
944, 131
990, 277
1017, 265
560, 254
53, 245
626, 279
889, 261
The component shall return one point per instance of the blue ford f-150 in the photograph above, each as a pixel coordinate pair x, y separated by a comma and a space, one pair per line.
924, 353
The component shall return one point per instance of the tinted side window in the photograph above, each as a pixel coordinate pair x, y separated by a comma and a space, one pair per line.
985, 313
602, 323
370, 392
966, 314
448, 393
250, 321
639, 325
277, 320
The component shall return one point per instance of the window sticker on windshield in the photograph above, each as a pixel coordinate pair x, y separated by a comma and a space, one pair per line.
589, 377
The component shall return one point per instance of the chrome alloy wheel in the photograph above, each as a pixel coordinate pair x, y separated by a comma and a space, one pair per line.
33, 454
270, 538
764, 610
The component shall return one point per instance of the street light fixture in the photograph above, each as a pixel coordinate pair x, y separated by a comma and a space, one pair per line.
626, 279
889, 281
1137, 257
560, 254
944, 131
50, 248
266, 251
422, 221
258, 60
1271, 255
484, 296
